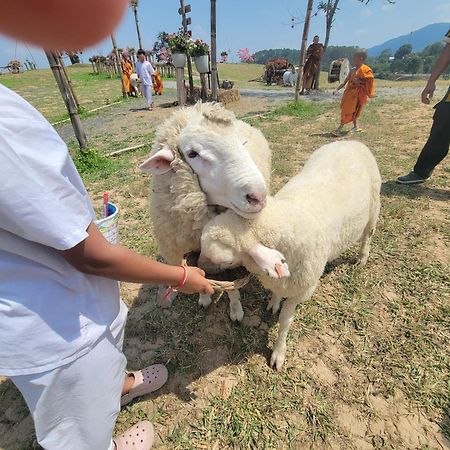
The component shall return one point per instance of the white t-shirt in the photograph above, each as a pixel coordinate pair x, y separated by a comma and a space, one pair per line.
145, 71
50, 313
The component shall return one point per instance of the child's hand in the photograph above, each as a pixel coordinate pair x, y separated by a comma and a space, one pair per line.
196, 282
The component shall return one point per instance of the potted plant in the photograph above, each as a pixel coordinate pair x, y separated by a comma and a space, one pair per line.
200, 52
179, 45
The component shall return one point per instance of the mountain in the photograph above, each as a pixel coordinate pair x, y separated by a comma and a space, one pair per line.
419, 39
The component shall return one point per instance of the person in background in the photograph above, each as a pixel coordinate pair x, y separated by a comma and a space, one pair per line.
158, 84
437, 145
61, 316
147, 75
313, 57
359, 87
127, 69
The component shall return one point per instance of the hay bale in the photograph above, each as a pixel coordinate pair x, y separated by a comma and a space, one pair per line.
226, 96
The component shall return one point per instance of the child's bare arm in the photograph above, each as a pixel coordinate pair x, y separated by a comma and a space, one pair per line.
96, 256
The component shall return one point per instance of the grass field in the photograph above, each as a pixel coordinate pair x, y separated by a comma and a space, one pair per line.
368, 355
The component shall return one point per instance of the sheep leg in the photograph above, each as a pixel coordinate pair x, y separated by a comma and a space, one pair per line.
286, 318
204, 300
367, 235
167, 302
274, 303
236, 311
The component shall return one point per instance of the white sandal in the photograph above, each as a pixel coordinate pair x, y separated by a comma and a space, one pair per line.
138, 437
146, 381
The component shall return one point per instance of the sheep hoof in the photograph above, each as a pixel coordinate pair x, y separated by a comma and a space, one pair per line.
277, 359
362, 261
204, 300
274, 304
237, 316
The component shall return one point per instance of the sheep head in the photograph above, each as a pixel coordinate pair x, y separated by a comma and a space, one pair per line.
206, 138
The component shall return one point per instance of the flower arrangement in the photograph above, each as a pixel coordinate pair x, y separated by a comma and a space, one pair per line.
199, 48
179, 42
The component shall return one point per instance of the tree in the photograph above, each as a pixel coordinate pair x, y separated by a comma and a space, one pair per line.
245, 56
404, 50
412, 63
432, 49
384, 56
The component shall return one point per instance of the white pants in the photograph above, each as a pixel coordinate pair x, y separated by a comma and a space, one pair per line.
74, 407
147, 93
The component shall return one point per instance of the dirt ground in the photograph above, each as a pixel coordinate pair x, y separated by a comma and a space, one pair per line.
368, 356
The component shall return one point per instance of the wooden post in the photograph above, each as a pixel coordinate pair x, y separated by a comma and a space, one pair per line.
119, 66
68, 99
204, 90
184, 22
214, 73
302, 49
134, 6
181, 91
61, 62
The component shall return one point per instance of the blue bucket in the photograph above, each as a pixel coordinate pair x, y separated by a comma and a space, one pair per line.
109, 226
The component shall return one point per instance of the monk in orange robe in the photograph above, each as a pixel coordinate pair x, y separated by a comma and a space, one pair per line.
157, 84
360, 87
127, 69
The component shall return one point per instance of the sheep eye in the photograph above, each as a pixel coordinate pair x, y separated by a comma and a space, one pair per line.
192, 154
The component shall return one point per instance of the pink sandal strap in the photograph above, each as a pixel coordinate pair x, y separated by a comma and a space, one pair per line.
138, 437
146, 381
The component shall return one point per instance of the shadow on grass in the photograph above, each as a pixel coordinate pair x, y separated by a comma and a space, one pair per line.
393, 189
193, 341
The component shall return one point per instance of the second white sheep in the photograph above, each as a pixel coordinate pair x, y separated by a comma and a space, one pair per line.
331, 205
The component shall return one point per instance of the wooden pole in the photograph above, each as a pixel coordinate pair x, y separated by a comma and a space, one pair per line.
189, 62
119, 66
181, 91
214, 74
68, 99
302, 49
61, 62
137, 25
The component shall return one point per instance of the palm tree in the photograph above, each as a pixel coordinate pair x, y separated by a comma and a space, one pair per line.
134, 7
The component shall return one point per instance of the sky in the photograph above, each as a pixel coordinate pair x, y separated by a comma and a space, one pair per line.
261, 24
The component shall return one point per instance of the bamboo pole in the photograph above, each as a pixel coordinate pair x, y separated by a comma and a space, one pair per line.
69, 81
214, 74
134, 6
302, 49
68, 99
119, 65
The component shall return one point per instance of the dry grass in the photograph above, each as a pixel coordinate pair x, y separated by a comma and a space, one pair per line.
368, 355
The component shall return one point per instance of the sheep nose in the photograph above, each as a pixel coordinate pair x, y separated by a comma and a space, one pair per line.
256, 199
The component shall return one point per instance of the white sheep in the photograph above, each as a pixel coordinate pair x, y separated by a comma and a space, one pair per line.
290, 77
203, 157
332, 204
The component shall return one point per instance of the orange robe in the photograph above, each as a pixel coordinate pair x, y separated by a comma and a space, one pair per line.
157, 84
355, 97
127, 70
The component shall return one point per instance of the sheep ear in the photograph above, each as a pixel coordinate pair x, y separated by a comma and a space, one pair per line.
270, 261
158, 163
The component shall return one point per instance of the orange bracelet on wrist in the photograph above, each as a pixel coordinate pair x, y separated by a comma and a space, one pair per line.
182, 283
